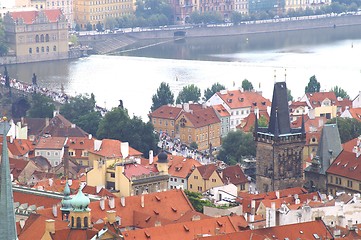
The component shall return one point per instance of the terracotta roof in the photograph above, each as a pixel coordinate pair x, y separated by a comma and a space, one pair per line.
59, 126
348, 146
112, 148
222, 111
103, 192
356, 113
33, 199
347, 165
35, 125
316, 98
207, 170
17, 166
69, 233
202, 117
234, 175
170, 205
166, 112
180, 166
18, 147
30, 16
134, 170
82, 143
238, 99
247, 123
306, 230
51, 143
188, 230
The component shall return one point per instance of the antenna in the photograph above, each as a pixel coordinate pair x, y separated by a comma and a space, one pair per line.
285, 74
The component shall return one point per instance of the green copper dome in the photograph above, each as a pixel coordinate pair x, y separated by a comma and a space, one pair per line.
80, 202
66, 201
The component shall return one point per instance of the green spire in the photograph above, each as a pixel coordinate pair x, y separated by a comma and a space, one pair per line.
7, 214
66, 201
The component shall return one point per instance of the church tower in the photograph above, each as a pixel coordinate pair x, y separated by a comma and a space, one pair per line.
79, 215
7, 214
279, 147
66, 203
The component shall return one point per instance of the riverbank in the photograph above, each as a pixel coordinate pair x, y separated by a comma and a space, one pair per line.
121, 40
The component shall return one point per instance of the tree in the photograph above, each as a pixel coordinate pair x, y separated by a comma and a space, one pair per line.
193, 145
117, 124
189, 93
81, 111
163, 96
349, 128
110, 23
156, 12
236, 145
41, 106
196, 200
313, 85
247, 85
340, 92
89, 27
209, 92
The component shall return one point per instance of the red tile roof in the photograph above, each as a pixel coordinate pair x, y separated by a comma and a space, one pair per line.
347, 165
51, 143
111, 148
356, 113
166, 112
33, 199
30, 16
234, 175
207, 170
247, 124
222, 111
316, 98
134, 170
238, 99
202, 117
180, 166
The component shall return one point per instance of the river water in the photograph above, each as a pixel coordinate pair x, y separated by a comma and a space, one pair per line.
332, 55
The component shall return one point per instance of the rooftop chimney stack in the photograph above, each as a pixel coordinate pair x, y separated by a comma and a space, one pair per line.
111, 216
142, 201
50, 225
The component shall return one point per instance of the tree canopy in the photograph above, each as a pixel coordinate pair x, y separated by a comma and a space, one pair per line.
117, 124
247, 85
196, 200
189, 93
313, 85
41, 106
236, 145
154, 12
81, 111
340, 92
209, 92
163, 96
349, 128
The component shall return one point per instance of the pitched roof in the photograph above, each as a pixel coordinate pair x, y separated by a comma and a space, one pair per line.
316, 98
166, 112
202, 117
238, 99
189, 230
80, 143
24, 197
221, 110
50, 143
69, 233
207, 170
248, 122
30, 16
134, 170
59, 126
35, 125
347, 165
356, 113
180, 166
112, 148
234, 175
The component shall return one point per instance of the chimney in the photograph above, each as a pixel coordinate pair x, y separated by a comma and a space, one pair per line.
111, 203
277, 194
150, 156
50, 226
253, 207
142, 201
122, 201
124, 149
111, 216
157, 224
70, 182
55, 211
98, 188
102, 203
66, 161
196, 217
90, 136
22, 223
251, 218
50, 182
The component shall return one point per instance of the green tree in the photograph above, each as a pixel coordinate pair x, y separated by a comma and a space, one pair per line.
77, 27
196, 201
117, 124
349, 128
110, 23
209, 92
236, 145
193, 145
247, 85
89, 27
340, 92
80, 110
313, 85
156, 12
189, 93
41, 106
163, 96
3, 46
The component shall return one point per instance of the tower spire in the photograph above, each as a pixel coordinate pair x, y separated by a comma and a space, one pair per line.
7, 219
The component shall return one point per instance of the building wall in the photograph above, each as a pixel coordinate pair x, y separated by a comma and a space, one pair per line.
89, 11
195, 182
39, 41
54, 156
327, 111
337, 183
96, 176
164, 125
177, 182
213, 181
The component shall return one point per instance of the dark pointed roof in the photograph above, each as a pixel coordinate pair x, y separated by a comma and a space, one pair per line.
7, 219
280, 116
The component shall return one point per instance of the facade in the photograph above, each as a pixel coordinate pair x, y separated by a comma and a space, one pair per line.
224, 116
183, 9
321, 104
239, 104
37, 35
279, 147
204, 178
201, 126
234, 175
79, 148
164, 119
94, 12
52, 148
344, 174
222, 7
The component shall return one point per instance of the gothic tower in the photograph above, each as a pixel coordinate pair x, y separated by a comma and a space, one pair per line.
7, 214
279, 147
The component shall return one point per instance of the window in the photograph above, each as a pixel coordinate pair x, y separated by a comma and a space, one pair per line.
37, 49
37, 38
242, 187
42, 49
47, 48
78, 222
195, 177
349, 183
199, 189
47, 38
48, 153
112, 175
190, 186
175, 179
171, 179
331, 179
30, 50
54, 48
42, 38
182, 180
214, 180
359, 186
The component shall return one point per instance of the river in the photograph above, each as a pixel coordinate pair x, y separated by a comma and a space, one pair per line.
332, 55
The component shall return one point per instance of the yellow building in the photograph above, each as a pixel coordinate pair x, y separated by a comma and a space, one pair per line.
37, 35
203, 178
201, 126
164, 118
321, 104
93, 12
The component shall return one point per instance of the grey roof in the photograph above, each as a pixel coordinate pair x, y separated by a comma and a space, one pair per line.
329, 147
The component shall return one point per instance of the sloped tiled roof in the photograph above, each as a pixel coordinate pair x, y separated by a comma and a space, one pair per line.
34, 199
30, 16
347, 165
316, 98
69, 233
356, 113
166, 112
134, 170
237, 99
207, 170
202, 117
248, 122
59, 126
50, 143
234, 175
222, 111
180, 166
112, 148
